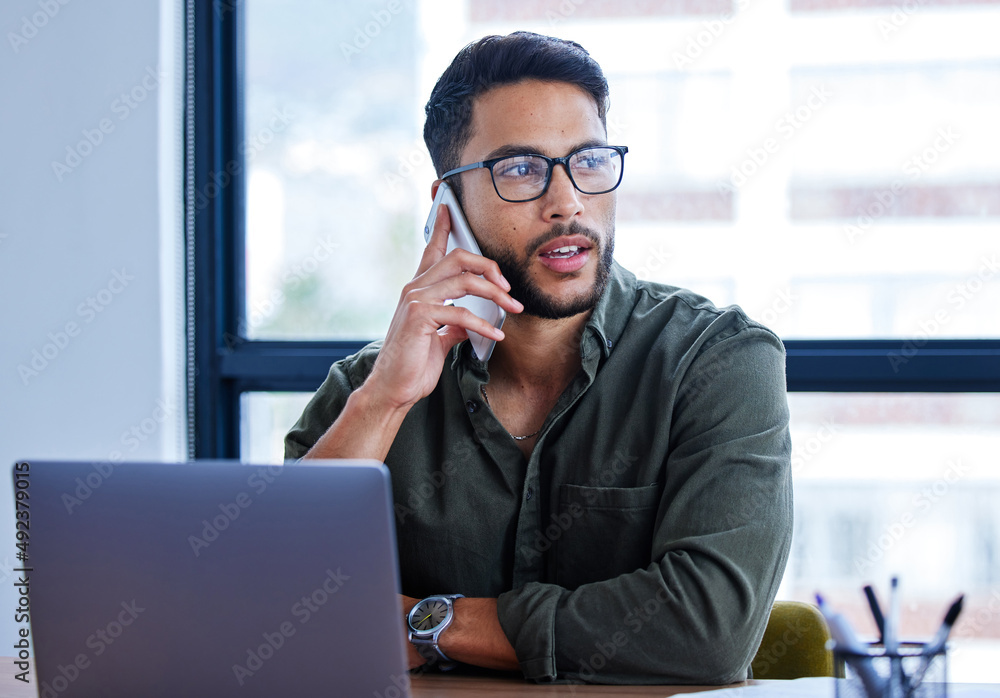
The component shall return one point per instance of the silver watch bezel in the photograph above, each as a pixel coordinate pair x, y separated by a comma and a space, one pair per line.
429, 638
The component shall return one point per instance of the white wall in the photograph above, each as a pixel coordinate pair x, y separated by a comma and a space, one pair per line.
105, 229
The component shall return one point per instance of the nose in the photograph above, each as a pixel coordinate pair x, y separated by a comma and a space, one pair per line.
562, 200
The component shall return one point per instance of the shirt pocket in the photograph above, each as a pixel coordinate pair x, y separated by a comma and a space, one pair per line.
608, 532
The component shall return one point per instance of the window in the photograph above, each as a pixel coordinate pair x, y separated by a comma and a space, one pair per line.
833, 167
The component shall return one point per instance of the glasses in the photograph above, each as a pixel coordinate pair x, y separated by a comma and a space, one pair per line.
519, 178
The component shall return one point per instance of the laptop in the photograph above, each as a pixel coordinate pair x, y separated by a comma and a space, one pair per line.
213, 579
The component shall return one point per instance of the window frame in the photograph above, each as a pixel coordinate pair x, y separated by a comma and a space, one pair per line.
222, 364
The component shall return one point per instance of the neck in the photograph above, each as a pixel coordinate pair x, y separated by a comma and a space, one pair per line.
538, 352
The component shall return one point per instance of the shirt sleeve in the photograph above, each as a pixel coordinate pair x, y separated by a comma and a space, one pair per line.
697, 612
328, 402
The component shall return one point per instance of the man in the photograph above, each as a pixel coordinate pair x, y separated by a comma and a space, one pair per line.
611, 492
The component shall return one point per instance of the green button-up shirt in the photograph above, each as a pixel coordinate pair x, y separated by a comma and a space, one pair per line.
644, 539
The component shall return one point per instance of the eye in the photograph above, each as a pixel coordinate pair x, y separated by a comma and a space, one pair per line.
520, 167
590, 160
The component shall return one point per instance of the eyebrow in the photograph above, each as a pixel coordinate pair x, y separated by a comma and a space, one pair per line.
522, 149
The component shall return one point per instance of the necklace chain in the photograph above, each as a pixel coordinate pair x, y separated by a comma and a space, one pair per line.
486, 397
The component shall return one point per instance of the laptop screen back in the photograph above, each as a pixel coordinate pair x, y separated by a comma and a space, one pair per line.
214, 578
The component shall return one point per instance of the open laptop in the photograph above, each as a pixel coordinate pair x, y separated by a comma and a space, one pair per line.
214, 579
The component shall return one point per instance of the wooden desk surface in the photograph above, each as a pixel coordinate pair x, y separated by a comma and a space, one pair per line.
442, 686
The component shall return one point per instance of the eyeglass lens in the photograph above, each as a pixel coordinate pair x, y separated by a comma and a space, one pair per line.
523, 177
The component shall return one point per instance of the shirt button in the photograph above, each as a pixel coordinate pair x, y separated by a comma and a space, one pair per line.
610, 343
527, 495
472, 406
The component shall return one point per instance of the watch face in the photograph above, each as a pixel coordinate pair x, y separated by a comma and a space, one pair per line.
428, 614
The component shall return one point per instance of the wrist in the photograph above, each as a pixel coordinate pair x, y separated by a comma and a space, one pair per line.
475, 636
375, 398
426, 621
450, 641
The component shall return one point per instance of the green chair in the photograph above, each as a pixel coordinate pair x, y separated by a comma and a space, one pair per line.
794, 644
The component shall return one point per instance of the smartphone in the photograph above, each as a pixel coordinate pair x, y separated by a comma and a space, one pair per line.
461, 236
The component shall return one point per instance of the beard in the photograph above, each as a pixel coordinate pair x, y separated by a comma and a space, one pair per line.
538, 304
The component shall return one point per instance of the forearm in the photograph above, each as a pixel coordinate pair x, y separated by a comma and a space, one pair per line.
475, 636
686, 620
364, 429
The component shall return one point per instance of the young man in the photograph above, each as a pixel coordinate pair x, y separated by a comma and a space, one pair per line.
611, 492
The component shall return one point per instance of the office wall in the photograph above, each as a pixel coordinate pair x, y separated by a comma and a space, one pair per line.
91, 292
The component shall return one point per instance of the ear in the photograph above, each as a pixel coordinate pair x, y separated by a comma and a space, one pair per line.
434, 188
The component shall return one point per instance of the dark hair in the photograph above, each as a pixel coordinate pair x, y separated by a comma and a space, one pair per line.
501, 60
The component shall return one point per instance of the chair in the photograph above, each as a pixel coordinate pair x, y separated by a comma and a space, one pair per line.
794, 644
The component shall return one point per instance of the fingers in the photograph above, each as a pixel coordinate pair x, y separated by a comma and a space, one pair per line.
451, 321
460, 286
457, 263
437, 249
437, 246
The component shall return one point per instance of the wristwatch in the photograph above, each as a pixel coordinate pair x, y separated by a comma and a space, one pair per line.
425, 623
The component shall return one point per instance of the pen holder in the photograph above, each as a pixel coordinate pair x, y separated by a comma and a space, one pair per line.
907, 673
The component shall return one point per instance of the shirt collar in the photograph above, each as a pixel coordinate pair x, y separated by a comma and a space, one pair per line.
607, 323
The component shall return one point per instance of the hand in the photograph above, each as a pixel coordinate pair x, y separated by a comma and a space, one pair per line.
414, 658
423, 329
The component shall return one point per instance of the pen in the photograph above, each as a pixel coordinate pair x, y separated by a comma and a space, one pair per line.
876, 612
890, 636
936, 643
855, 653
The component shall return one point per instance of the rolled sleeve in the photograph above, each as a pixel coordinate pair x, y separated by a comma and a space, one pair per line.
528, 618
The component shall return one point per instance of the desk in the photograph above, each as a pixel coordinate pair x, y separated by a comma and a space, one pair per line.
454, 686
443, 686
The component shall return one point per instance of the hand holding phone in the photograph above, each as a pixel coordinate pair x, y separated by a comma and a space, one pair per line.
461, 236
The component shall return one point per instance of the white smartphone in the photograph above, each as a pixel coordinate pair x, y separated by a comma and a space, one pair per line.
461, 236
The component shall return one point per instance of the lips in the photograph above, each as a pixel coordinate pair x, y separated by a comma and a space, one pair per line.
565, 247
563, 252
566, 254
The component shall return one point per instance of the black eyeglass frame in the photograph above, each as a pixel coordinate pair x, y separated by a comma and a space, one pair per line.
552, 162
